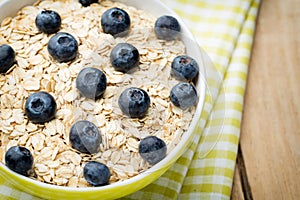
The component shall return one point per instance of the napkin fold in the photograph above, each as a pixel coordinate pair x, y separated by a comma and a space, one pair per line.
224, 30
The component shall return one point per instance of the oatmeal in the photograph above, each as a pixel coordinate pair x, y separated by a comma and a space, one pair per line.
55, 161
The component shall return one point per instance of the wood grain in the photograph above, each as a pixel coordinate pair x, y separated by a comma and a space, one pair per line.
237, 192
241, 189
270, 135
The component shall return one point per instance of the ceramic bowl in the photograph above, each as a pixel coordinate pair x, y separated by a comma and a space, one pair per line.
118, 189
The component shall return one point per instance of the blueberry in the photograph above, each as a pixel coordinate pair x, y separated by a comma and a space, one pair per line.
134, 102
91, 82
96, 174
40, 107
124, 57
115, 21
19, 159
184, 68
183, 95
167, 28
85, 137
63, 47
7, 58
86, 3
152, 149
48, 21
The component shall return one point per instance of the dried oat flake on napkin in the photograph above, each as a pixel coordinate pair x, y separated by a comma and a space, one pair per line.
224, 29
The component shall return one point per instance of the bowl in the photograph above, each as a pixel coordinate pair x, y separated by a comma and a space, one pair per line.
121, 188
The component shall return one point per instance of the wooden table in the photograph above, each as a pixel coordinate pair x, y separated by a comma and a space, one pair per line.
268, 164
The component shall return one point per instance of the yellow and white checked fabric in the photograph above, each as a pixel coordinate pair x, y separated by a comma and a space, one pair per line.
224, 29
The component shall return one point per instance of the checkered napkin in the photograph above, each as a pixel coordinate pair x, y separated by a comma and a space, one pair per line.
224, 30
